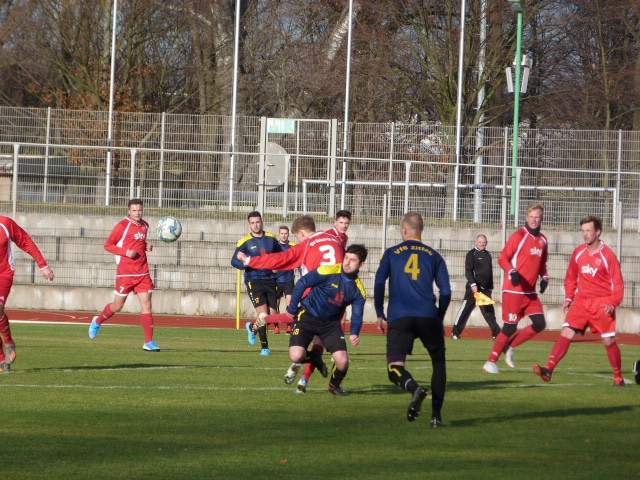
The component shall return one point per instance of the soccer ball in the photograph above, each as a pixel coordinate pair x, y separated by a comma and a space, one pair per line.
169, 229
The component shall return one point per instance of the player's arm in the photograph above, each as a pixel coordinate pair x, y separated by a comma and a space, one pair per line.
357, 316
379, 286
23, 240
444, 286
289, 260
235, 261
111, 244
309, 280
570, 282
617, 282
468, 270
507, 253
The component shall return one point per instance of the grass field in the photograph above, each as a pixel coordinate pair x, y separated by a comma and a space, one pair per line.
208, 406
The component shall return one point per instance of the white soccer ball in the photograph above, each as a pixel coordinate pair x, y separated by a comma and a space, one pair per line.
169, 229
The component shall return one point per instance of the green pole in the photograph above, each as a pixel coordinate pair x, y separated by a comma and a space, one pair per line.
516, 116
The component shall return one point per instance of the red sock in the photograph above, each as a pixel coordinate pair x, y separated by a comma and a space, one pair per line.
106, 314
498, 346
146, 320
5, 330
615, 358
523, 335
559, 350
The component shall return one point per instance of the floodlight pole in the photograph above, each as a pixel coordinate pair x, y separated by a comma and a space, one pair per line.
111, 88
345, 143
232, 158
463, 11
517, 5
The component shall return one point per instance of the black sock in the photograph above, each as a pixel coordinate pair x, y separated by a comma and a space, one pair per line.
337, 376
262, 335
401, 377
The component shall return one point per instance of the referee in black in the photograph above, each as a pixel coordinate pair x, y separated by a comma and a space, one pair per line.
479, 273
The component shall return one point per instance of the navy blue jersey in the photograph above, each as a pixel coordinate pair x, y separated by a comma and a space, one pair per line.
412, 268
285, 276
331, 292
254, 247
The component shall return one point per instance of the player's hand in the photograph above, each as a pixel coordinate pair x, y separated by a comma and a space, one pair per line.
132, 254
544, 283
149, 247
566, 305
243, 257
608, 308
515, 277
355, 340
47, 273
381, 324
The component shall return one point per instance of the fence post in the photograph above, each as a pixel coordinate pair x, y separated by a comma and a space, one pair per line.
295, 203
516, 196
619, 239
304, 197
261, 164
285, 202
132, 173
333, 167
14, 180
407, 175
384, 222
503, 213
392, 146
47, 140
456, 173
618, 173
161, 173
108, 175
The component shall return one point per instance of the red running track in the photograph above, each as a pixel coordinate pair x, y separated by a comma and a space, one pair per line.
221, 322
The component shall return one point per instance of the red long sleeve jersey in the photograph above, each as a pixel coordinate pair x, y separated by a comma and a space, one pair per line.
321, 248
10, 232
129, 235
594, 275
527, 254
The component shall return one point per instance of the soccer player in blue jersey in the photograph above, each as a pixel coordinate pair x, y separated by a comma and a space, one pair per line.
261, 283
333, 288
414, 312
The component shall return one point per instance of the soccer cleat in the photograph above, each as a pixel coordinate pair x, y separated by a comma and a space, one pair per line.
619, 381
265, 352
5, 367
490, 367
302, 386
10, 353
94, 328
416, 403
292, 371
543, 372
436, 422
456, 337
251, 335
151, 346
636, 371
276, 329
508, 357
337, 391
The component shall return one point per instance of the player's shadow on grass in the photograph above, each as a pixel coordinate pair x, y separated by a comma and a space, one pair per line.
88, 368
478, 384
376, 390
542, 414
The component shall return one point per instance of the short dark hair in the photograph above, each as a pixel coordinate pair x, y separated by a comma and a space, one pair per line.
135, 201
597, 222
283, 227
343, 213
254, 214
359, 250
305, 222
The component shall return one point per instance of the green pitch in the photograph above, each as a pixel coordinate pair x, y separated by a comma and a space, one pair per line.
208, 406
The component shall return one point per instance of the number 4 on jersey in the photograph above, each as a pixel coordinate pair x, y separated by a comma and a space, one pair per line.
412, 267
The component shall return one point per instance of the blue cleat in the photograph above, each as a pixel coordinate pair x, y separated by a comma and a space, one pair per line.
251, 335
265, 352
94, 328
151, 346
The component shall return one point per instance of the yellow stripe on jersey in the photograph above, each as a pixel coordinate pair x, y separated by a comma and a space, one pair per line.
330, 269
360, 285
244, 240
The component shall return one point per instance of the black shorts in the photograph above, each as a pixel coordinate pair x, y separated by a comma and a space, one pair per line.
403, 331
263, 292
307, 326
285, 288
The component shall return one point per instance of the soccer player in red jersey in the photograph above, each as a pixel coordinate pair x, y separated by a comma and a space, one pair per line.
10, 232
128, 242
315, 249
523, 259
593, 289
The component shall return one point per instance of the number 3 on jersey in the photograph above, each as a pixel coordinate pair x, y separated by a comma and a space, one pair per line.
328, 255
412, 267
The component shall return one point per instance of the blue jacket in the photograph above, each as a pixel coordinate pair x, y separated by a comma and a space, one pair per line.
255, 246
331, 292
285, 276
412, 268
